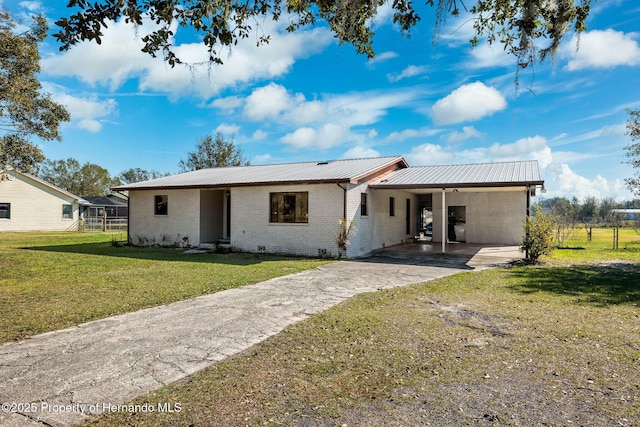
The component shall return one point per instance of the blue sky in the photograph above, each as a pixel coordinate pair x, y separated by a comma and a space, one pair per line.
303, 97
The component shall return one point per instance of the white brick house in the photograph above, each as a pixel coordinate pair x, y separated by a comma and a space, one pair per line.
295, 208
28, 203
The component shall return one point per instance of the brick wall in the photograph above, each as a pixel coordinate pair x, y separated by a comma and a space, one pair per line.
252, 231
182, 219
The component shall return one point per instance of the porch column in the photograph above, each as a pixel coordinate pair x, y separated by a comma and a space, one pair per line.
444, 222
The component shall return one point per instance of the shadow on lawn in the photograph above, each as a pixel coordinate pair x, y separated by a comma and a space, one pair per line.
156, 253
599, 285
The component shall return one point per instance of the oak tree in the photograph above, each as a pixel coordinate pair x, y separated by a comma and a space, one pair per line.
530, 30
213, 153
25, 111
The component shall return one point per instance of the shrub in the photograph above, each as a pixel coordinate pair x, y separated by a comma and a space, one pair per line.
539, 236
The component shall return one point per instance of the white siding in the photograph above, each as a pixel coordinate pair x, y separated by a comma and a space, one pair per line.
492, 217
34, 206
182, 220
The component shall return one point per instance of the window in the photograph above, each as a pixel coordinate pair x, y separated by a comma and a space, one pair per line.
363, 204
5, 210
392, 206
161, 205
289, 207
67, 212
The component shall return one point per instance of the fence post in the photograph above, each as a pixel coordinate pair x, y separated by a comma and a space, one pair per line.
616, 233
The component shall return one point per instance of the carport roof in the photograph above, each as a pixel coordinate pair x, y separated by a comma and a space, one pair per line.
516, 173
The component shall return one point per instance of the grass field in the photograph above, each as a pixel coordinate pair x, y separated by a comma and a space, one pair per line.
554, 344
51, 281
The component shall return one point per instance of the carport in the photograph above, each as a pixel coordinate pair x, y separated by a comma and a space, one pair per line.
486, 203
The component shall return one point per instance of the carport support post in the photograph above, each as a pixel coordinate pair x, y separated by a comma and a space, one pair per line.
444, 223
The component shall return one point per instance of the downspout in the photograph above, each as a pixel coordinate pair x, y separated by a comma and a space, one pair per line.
444, 222
344, 201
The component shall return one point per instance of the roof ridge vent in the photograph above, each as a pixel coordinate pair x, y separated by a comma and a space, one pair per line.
324, 162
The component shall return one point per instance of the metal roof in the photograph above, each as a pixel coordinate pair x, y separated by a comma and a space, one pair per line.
330, 171
467, 175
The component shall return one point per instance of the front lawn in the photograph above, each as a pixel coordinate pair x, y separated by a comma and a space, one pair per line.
556, 344
52, 281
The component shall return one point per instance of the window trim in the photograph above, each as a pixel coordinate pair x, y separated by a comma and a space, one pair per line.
158, 202
364, 209
8, 210
279, 218
70, 217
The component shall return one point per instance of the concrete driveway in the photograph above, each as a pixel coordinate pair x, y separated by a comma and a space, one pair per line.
58, 378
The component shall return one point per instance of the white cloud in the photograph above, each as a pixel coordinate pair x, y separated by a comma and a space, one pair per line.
429, 154
321, 123
228, 129
360, 152
468, 132
259, 135
469, 102
532, 148
263, 158
410, 134
267, 102
561, 181
327, 136
602, 49
228, 104
32, 6
489, 56
86, 113
410, 71
382, 57
119, 59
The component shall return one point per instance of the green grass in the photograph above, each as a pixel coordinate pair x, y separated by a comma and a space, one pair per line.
579, 249
555, 344
457, 351
51, 281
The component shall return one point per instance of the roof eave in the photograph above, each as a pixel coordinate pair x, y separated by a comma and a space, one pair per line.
230, 185
456, 185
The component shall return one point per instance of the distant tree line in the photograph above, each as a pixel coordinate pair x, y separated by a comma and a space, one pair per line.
571, 214
90, 179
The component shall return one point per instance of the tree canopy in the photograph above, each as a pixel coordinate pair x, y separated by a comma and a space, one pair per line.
529, 30
85, 181
24, 110
132, 175
633, 150
213, 153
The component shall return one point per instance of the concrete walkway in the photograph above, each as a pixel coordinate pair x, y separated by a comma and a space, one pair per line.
57, 378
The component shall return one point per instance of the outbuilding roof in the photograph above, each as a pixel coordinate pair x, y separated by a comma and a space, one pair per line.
514, 173
286, 173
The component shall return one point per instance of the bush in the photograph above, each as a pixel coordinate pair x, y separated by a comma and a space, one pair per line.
539, 235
